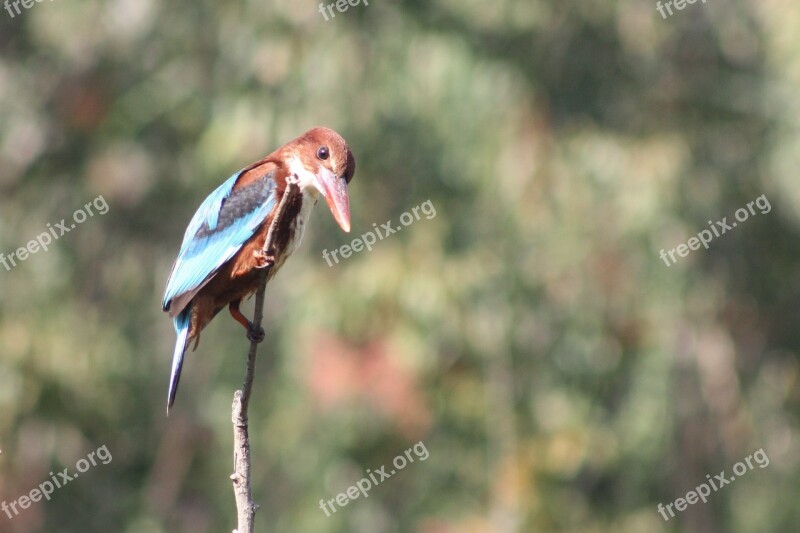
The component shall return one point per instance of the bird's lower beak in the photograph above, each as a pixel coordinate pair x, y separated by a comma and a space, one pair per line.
337, 199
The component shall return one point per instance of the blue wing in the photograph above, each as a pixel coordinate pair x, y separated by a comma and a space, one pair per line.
219, 228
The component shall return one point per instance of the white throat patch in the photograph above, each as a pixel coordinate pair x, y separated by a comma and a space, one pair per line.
306, 180
310, 188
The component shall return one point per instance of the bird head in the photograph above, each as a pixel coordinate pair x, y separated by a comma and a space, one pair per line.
324, 165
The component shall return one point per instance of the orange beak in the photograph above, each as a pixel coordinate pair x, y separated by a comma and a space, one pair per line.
336, 196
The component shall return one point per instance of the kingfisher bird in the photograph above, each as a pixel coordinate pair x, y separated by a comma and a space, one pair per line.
223, 248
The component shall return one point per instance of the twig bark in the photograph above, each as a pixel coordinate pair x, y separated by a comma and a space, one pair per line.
245, 506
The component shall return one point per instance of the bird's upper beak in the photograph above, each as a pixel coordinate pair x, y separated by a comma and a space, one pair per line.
335, 193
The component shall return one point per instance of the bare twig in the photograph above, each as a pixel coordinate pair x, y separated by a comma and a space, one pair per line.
245, 506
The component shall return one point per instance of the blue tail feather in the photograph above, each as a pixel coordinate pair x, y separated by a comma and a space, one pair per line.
181, 323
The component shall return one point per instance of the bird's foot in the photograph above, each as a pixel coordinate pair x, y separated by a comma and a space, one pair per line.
255, 334
263, 259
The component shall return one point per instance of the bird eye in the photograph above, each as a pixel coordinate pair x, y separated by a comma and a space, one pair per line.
323, 152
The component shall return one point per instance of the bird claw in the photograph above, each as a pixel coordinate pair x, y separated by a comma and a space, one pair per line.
263, 259
255, 334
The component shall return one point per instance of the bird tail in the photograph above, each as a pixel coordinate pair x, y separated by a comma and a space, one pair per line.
182, 329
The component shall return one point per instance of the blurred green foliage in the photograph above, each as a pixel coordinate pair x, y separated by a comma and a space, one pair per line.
560, 375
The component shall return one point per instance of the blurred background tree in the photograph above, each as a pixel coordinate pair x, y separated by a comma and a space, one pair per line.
560, 375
